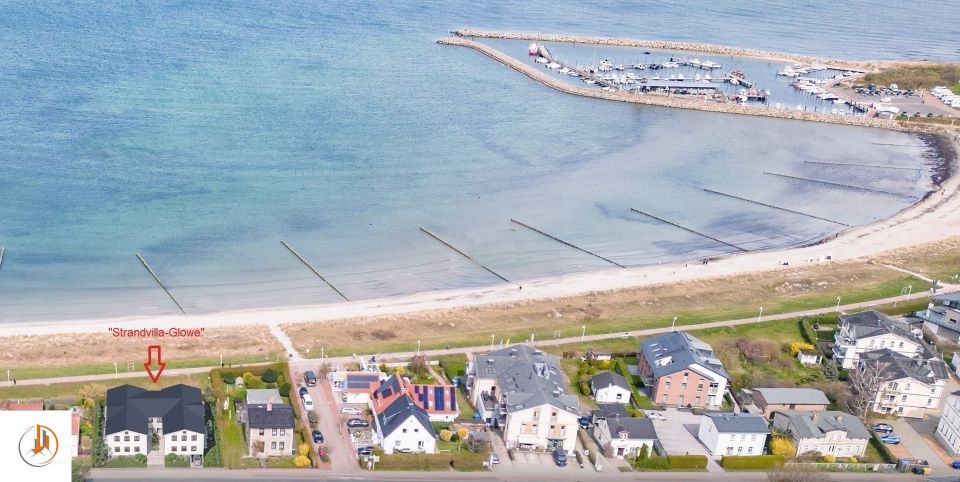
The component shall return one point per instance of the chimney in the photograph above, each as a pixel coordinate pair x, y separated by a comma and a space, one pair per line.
270, 404
839, 418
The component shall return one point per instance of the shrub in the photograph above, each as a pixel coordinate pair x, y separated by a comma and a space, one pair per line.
751, 462
446, 435
652, 463
697, 462
798, 346
585, 388
644, 452
285, 390
174, 460
782, 446
462, 433
830, 370
828, 459
269, 376
229, 378
882, 449
251, 381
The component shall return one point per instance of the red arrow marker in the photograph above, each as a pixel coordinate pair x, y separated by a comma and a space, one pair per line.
149, 363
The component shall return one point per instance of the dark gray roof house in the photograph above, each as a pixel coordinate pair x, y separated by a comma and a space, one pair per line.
737, 422
526, 378
395, 414
872, 323
129, 407
895, 366
274, 415
816, 425
676, 351
635, 428
607, 379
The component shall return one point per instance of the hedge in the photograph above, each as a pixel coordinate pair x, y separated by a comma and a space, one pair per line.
672, 462
751, 462
620, 366
882, 449
463, 461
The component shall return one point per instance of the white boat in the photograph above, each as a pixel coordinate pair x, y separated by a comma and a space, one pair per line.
564, 70
553, 65
541, 60
680, 77
695, 63
639, 66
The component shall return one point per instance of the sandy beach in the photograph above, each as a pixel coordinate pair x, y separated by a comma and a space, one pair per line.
934, 218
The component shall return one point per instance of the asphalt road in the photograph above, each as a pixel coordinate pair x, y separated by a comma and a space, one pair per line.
216, 475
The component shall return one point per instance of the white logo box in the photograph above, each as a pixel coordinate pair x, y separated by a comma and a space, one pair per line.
18, 429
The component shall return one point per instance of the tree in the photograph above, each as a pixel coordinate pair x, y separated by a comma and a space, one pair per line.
782, 446
865, 383
644, 452
285, 390
462, 433
229, 378
269, 376
830, 370
302, 459
251, 381
323, 370
446, 435
419, 365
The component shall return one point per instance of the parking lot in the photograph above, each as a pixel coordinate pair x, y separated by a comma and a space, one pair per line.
913, 445
677, 434
340, 449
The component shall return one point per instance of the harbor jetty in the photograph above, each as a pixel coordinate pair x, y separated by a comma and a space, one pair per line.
839, 64
703, 103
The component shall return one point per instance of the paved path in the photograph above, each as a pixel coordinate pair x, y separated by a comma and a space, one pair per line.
917, 446
559, 341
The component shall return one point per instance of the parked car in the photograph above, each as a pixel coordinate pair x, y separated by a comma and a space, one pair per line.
307, 402
303, 390
955, 464
313, 418
365, 450
357, 422
321, 451
584, 422
882, 428
656, 417
495, 459
350, 411
317, 437
310, 378
890, 439
559, 457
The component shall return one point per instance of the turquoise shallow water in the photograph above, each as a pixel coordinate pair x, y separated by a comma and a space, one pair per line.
201, 136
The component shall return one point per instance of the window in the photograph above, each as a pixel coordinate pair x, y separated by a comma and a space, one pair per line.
193, 438
416, 430
907, 387
116, 438
903, 398
283, 431
173, 448
683, 387
666, 386
194, 447
126, 438
553, 414
619, 396
261, 432
696, 401
753, 437
740, 449
700, 387
901, 344
623, 436
273, 432
729, 450
929, 401
750, 449
900, 410
281, 445
273, 445
126, 449
173, 438
136, 438
404, 430
743, 437
136, 449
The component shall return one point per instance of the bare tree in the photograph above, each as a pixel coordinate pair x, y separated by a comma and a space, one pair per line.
865, 382
418, 365
796, 473
323, 370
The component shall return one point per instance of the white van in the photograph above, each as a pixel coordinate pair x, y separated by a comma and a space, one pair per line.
307, 401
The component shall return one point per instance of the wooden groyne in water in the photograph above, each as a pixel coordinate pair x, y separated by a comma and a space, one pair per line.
680, 102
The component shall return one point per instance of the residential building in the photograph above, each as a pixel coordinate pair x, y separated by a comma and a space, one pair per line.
623, 436
825, 433
75, 416
610, 387
809, 357
871, 330
16, 405
733, 433
403, 426
270, 428
356, 387
948, 429
683, 371
521, 391
942, 316
173, 415
771, 400
912, 385
439, 401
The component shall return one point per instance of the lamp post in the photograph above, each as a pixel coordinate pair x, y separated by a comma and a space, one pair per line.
418, 347
673, 326
838, 304
491, 341
583, 333
116, 372
761, 314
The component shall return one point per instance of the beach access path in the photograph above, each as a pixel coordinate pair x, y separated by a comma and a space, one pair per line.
299, 364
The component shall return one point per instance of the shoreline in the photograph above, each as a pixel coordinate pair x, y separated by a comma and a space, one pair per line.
935, 217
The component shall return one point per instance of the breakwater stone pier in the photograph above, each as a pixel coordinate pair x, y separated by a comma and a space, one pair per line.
703, 104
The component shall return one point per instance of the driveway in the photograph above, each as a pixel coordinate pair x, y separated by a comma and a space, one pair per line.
677, 435
342, 454
914, 443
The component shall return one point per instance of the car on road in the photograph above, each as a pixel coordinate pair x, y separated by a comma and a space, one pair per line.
357, 422
955, 464
495, 459
882, 428
656, 417
317, 437
303, 391
313, 418
890, 439
559, 457
350, 411
365, 450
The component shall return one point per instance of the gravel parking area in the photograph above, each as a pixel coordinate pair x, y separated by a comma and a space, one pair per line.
677, 435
